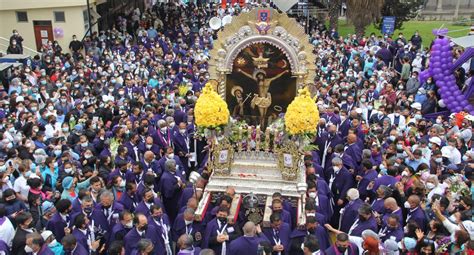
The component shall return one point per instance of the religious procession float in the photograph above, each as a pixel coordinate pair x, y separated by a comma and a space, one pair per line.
258, 114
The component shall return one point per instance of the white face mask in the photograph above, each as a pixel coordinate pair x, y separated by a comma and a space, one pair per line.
407, 205
68, 170
464, 158
170, 156
148, 146
187, 222
430, 185
312, 194
129, 224
336, 169
28, 249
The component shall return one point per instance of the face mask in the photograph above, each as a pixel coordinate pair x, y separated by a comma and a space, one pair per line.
84, 144
129, 224
341, 249
122, 183
57, 152
88, 210
399, 147
68, 170
163, 129
188, 222
170, 156
392, 138
222, 219
362, 100
430, 185
439, 160
407, 205
28, 249
148, 146
87, 156
464, 158
336, 169
182, 131
144, 227
312, 194
418, 116
65, 129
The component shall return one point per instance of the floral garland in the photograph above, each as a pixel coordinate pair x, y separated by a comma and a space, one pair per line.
302, 115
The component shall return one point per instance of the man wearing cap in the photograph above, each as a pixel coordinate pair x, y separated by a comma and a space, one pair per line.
35, 244
48, 210
451, 152
49, 240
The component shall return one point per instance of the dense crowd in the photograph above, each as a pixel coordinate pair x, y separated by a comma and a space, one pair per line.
98, 143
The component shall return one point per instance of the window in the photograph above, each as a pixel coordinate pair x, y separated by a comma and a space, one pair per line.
59, 17
21, 16
86, 20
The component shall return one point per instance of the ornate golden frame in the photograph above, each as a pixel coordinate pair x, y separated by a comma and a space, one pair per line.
285, 33
289, 149
218, 166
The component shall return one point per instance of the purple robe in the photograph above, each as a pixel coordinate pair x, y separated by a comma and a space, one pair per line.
180, 228
367, 177
56, 225
180, 170
81, 238
352, 250
355, 152
378, 206
397, 212
360, 226
342, 183
152, 233
418, 216
144, 209
171, 192
297, 238
76, 205
210, 235
324, 207
129, 202
246, 244
282, 236
187, 193
118, 233
387, 233
386, 180
349, 215
80, 250
127, 176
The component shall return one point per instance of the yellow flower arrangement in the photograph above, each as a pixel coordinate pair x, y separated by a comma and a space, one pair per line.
183, 89
211, 110
302, 115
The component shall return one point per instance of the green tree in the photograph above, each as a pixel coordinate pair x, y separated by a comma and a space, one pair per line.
402, 10
361, 13
334, 10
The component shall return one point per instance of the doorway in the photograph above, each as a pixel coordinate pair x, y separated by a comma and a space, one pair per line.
43, 32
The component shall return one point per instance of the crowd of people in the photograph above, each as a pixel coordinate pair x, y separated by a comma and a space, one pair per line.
98, 142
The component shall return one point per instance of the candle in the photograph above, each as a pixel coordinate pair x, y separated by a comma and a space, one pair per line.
257, 133
240, 134
249, 138
275, 138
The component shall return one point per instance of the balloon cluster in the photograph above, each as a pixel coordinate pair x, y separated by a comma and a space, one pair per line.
441, 63
58, 32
